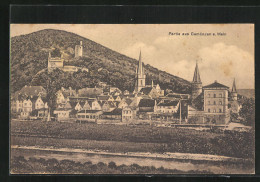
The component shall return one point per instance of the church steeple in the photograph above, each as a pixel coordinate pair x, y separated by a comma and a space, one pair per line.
196, 77
140, 75
196, 83
140, 65
234, 89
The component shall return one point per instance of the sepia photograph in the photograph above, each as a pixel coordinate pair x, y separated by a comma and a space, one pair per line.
132, 99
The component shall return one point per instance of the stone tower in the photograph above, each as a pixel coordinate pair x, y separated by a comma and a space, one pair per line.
196, 84
79, 50
140, 81
234, 91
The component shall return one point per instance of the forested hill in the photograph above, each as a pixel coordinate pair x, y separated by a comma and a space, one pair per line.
29, 55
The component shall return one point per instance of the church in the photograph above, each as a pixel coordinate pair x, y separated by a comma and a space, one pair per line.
152, 91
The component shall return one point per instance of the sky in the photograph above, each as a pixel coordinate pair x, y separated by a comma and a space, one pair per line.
175, 48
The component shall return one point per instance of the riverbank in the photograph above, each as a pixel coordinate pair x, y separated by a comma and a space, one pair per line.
116, 138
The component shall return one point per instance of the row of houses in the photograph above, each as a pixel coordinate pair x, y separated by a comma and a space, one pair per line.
30, 101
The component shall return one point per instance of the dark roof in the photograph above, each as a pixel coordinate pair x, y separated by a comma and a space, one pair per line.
146, 103
128, 101
146, 90
116, 111
73, 104
215, 85
170, 103
33, 99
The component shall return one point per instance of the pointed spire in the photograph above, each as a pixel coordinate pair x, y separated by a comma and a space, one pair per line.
140, 66
49, 54
196, 77
152, 83
234, 89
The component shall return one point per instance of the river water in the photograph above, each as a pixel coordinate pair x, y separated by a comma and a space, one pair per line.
214, 167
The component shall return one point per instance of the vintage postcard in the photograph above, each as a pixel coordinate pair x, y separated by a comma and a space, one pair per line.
132, 99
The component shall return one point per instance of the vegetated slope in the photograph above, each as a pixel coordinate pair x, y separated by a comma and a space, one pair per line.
29, 55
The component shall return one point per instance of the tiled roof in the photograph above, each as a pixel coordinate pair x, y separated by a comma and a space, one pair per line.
146, 103
215, 85
116, 111
146, 90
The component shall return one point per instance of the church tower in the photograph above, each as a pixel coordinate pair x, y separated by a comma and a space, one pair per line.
196, 83
234, 91
140, 82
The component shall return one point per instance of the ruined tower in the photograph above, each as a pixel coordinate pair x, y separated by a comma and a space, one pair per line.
79, 50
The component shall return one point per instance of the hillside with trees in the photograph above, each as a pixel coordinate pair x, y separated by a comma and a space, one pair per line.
29, 58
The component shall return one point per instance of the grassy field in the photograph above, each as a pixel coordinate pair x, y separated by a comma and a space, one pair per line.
133, 138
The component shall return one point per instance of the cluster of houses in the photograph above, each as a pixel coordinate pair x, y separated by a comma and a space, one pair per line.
209, 104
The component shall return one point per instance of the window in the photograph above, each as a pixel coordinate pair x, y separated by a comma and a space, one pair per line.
214, 95
208, 95
220, 95
220, 102
208, 102
220, 110
87, 116
214, 102
25, 104
208, 110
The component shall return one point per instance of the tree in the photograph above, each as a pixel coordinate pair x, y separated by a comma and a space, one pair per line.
248, 111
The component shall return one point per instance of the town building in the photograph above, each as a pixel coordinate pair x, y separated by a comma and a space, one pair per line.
115, 114
88, 115
146, 108
216, 103
128, 114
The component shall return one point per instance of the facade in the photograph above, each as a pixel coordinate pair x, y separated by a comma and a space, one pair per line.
79, 50
88, 115
167, 107
62, 114
127, 114
140, 75
216, 103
